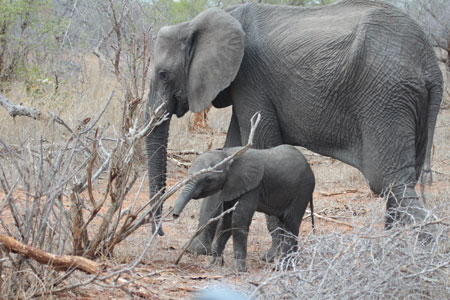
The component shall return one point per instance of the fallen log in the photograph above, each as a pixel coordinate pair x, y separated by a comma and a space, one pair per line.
15, 110
59, 262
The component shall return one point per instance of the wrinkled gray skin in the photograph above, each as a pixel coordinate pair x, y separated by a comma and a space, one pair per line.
356, 81
278, 182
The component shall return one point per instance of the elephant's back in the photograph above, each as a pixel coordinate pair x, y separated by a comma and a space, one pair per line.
287, 165
334, 71
287, 174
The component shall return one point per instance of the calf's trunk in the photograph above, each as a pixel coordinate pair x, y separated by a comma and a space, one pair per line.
186, 195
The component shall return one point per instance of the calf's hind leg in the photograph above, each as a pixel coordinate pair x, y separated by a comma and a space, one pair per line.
292, 220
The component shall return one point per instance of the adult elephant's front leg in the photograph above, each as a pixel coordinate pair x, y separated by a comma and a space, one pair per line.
211, 206
267, 135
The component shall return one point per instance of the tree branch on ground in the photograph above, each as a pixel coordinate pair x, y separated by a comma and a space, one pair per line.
15, 110
59, 262
326, 219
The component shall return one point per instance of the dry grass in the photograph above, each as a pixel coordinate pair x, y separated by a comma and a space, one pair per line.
81, 98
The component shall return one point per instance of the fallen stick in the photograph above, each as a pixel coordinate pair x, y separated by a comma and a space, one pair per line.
328, 194
180, 163
59, 262
203, 228
183, 152
327, 219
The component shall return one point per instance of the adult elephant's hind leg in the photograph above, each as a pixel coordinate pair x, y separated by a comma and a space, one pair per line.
390, 168
276, 229
403, 205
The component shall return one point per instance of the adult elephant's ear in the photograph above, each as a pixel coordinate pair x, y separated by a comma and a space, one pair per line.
244, 175
215, 47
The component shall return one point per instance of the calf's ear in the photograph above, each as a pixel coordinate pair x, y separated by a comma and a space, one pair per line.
244, 175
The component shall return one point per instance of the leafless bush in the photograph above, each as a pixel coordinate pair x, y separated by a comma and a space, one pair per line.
48, 200
365, 263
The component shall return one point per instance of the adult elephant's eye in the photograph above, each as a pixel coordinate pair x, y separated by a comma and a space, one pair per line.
163, 75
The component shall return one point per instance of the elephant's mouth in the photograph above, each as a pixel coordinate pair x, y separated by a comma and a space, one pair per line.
181, 105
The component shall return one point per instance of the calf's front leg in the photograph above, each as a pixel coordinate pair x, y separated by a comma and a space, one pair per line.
241, 220
223, 233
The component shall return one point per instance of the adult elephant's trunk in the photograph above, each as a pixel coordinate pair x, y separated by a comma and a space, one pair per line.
156, 146
186, 195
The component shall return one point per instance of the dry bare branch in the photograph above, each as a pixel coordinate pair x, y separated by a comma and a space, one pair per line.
327, 219
59, 262
15, 110
367, 262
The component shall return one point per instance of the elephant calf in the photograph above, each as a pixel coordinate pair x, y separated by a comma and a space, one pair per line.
276, 181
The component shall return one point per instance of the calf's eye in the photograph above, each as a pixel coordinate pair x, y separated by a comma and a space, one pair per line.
163, 75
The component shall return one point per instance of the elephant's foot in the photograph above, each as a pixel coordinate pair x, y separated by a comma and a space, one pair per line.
426, 180
202, 244
411, 212
239, 265
199, 247
270, 255
160, 229
217, 261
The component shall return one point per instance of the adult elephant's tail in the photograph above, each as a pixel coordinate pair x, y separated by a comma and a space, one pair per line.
435, 98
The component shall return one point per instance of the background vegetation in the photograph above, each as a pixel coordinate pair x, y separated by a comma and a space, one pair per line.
74, 182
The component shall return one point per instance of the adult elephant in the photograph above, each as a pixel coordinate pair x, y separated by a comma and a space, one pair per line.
356, 81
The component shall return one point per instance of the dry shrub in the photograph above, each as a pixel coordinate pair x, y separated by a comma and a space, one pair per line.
48, 201
365, 263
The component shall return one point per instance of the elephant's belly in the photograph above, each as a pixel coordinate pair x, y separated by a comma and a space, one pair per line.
302, 122
321, 143
271, 211
273, 208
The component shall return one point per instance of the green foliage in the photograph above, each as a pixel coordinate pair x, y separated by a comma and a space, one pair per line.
28, 30
177, 11
283, 2
174, 11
